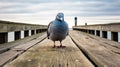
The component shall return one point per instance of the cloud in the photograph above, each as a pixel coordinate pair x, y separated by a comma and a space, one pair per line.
43, 11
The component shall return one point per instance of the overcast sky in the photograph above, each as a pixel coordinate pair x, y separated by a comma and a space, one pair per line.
44, 11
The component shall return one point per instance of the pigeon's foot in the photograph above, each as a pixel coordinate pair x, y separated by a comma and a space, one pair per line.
61, 46
54, 46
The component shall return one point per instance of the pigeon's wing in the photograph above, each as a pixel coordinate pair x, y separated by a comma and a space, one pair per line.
48, 29
67, 28
68, 32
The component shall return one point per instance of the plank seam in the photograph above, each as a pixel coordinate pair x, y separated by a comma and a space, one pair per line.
84, 53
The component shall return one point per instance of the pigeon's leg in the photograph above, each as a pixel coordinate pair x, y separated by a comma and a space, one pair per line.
61, 46
54, 45
60, 43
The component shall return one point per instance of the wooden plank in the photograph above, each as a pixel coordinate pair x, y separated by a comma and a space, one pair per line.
43, 55
7, 26
7, 46
8, 56
16, 51
113, 27
98, 51
108, 44
29, 44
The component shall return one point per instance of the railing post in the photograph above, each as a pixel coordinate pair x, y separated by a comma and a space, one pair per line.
22, 34
101, 33
109, 35
118, 36
11, 36
75, 21
95, 32
29, 32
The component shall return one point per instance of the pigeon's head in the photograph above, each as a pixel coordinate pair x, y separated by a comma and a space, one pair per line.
60, 17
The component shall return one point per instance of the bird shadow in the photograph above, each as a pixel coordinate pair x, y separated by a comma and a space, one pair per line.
63, 48
59, 47
56, 49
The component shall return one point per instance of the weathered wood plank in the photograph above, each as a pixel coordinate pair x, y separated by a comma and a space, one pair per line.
7, 56
7, 26
108, 44
113, 27
7, 46
16, 51
29, 44
43, 55
99, 51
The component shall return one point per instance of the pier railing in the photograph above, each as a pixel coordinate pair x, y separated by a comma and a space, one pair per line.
11, 31
110, 31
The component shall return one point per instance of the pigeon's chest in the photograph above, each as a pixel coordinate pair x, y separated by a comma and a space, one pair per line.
61, 27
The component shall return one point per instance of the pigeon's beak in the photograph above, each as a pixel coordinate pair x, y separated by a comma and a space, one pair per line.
61, 18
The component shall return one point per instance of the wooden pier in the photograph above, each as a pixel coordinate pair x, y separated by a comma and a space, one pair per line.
43, 55
109, 31
82, 50
12, 31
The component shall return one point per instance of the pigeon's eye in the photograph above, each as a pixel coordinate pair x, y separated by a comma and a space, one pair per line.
58, 17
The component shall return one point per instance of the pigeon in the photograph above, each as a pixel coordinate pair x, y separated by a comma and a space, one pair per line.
58, 29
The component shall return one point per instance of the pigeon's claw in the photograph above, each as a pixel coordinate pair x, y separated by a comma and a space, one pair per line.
54, 46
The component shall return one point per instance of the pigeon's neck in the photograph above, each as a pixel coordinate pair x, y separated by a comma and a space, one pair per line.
59, 20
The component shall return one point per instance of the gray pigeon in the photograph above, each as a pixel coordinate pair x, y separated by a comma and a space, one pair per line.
57, 29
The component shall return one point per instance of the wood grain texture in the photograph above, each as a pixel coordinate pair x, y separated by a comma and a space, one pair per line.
43, 55
104, 53
113, 27
7, 26
18, 48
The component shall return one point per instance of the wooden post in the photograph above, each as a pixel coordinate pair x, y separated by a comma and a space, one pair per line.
11, 36
29, 32
22, 34
95, 32
109, 35
85, 24
75, 21
101, 33
118, 36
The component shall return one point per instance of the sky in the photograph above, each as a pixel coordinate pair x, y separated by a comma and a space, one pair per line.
44, 11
